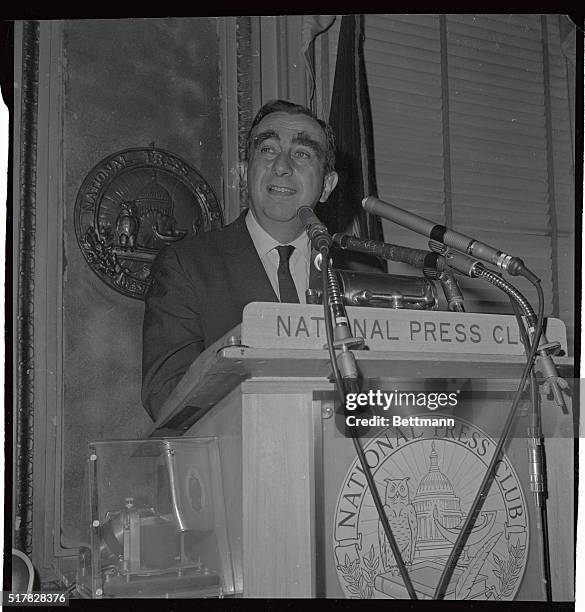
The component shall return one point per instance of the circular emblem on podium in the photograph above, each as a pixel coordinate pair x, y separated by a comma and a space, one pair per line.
131, 205
427, 478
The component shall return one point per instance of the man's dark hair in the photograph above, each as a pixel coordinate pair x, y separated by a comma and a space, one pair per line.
284, 106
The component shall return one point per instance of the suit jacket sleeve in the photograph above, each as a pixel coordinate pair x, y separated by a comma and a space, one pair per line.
172, 330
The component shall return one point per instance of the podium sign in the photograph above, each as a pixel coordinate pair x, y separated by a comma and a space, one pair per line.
270, 325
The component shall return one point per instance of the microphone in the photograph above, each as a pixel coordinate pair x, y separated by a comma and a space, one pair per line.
317, 232
418, 258
432, 264
444, 235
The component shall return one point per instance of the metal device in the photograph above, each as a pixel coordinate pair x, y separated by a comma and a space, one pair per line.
380, 290
143, 553
157, 525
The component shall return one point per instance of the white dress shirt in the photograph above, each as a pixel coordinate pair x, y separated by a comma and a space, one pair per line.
299, 262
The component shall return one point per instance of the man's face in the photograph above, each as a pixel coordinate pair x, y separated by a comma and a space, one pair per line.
286, 171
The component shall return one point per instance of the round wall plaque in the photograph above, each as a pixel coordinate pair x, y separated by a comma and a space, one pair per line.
131, 205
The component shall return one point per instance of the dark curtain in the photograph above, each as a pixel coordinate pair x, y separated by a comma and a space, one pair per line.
351, 120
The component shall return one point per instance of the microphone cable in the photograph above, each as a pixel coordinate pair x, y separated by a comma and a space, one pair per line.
536, 455
489, 475
339, 383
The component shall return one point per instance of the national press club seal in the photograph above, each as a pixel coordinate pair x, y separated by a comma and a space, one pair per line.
131, 205
427, 478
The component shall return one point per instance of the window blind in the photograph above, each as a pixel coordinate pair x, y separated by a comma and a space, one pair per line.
462, 136
563, 171
498, 152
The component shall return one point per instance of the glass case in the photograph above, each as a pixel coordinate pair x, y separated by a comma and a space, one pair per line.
154, 519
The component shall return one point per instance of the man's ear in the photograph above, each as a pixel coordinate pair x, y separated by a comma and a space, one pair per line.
329, 183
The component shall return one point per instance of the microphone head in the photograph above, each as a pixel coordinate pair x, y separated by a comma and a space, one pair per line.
317, 232
307, 216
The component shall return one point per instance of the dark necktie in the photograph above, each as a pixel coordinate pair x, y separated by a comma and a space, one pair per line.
286, 285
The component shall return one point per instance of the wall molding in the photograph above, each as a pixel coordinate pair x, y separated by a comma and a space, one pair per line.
38, 284
27, 41
227, 32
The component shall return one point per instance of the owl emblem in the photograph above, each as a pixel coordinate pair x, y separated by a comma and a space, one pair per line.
402, 520
127, 226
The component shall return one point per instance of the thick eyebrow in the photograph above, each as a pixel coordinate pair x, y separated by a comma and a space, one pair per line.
264, 136
303, 139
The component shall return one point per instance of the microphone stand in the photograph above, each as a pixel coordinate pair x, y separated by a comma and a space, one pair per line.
537, 462
346, 373
535, 439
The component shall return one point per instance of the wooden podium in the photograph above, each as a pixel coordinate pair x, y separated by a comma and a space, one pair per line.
287, 467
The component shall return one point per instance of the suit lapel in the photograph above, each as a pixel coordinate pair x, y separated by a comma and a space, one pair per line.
249, 277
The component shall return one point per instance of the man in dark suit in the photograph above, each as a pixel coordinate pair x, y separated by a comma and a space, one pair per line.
200, 285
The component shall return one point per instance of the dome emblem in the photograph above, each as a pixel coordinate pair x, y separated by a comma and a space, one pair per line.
427, 478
